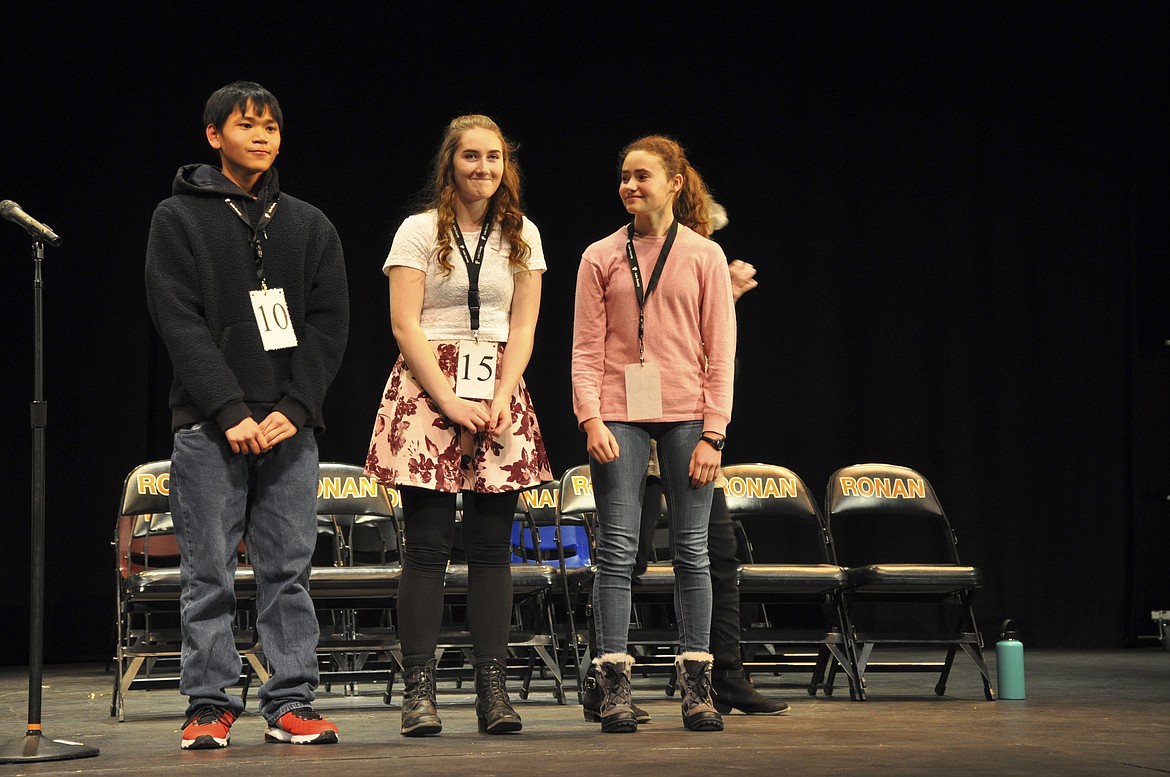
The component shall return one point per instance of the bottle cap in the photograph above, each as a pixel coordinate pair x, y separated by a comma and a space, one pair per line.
1008, 630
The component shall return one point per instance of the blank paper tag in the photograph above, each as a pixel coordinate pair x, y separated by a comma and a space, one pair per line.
276, 328
475, 375
643, 392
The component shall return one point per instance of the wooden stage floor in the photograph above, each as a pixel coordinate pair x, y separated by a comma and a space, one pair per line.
1087, 713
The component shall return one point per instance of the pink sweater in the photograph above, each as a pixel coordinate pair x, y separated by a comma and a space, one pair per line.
691, 311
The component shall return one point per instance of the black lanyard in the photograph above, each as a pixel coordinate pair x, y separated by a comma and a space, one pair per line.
654, 276
474, 263
257, 230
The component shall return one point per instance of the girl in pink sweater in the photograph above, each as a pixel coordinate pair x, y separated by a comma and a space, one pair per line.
653, 353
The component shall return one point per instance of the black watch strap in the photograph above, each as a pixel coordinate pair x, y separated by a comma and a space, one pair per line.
716, 443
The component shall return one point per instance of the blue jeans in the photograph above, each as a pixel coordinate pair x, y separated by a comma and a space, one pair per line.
617, 489
216, 497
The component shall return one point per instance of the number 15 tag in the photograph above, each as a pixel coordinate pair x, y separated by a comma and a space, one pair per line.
475, 375
276, 329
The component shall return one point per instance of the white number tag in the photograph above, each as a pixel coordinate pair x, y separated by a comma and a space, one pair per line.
276, 328
475, 375
643, 392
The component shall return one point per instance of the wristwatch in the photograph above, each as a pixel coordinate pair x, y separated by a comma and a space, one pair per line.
717, 444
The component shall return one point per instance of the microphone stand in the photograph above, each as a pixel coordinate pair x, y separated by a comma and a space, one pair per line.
34, 746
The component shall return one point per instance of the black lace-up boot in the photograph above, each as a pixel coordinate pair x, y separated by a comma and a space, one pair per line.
419, 716
694, 682
492, 707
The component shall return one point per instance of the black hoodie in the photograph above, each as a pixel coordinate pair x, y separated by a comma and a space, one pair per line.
200, 266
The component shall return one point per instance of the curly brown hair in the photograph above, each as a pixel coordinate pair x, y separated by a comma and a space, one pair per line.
505, 204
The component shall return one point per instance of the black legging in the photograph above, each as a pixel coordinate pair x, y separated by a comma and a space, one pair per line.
430, 535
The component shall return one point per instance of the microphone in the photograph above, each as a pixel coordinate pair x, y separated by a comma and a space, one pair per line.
11, 211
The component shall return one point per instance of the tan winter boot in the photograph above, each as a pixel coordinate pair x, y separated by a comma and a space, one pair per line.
591, 700
694, 682
614, 682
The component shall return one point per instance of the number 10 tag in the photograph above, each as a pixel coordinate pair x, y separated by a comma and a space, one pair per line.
475, 375
276, 329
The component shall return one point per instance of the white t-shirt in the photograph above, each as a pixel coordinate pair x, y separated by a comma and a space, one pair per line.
444, 313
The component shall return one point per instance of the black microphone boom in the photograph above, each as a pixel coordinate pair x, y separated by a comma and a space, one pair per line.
11, 211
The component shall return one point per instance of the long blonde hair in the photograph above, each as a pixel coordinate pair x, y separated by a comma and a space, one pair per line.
692, 203
505, 203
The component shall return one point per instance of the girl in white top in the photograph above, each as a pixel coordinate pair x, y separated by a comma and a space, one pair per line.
455, 415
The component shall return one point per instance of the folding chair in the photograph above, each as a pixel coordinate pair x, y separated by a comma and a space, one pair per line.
907, 587
789, 577
576, 508
148, 588
565, 543
355, 598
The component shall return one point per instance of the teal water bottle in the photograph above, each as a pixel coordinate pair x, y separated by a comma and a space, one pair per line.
1009, 662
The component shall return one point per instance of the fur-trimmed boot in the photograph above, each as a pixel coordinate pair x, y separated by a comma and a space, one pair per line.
493, 709
419, 716
694, 682
591, 700
614, 682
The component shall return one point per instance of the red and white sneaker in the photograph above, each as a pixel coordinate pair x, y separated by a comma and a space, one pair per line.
208, 728
302, 726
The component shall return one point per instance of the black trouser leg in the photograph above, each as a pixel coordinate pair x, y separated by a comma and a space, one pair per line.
651, 512
722, 546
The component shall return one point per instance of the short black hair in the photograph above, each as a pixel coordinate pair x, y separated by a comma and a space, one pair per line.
239, 95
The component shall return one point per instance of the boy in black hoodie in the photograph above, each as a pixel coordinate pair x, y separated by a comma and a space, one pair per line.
247, 288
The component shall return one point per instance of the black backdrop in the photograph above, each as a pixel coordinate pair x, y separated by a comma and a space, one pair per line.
958, 212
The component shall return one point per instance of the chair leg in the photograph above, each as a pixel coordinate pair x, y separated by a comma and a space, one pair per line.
257, 666
394, 661
976, 655
864, 651
941, 687
124, 682
847, 663
552, 662
116, 701
820, 669
529, 668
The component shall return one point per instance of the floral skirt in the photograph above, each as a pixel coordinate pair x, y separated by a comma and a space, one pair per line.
414, 444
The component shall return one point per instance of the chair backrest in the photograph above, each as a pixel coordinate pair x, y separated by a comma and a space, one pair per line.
887, 514
576, 491
778, 514
145, 534
145, 529
363, 516
540, 504
344, 489
541, 507
147, 489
